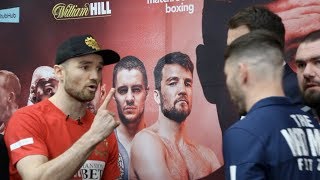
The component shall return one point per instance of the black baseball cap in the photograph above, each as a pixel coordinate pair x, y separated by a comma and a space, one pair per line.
83, 45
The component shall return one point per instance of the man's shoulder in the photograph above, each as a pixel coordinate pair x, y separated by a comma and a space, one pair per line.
243, 128
40, 108
32, 115
147, 138
256, 123
146, 134
147, 144
244, 124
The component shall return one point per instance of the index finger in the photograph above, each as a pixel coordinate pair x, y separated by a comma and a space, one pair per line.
107, 99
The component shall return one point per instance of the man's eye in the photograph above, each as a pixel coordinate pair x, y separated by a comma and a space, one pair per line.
84, 67
300, 65
48, 91
136, 90
172, 83
122, 91
188, 84
317, 62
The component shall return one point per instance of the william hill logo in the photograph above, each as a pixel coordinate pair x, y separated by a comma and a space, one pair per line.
62, 11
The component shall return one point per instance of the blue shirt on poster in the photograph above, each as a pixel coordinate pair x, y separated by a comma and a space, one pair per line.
123, 161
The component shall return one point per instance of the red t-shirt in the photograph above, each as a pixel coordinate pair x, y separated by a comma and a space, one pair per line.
43, 129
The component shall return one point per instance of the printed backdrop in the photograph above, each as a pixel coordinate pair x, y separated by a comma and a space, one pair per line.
139, 28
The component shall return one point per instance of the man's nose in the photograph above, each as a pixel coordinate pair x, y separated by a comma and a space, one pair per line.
94, 74
129, 97
309, 71
182, 88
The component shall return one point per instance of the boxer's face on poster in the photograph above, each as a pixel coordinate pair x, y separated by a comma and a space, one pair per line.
44, 89
130, 95
176, 92
82, 76
7, 101
236, 32
308, 71
3, 100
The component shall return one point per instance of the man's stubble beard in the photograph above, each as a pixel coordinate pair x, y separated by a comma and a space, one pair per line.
237, 97
127, 121
312, 99
173, 113
79, 95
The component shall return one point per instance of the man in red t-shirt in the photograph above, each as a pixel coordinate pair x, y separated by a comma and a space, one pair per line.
58, 138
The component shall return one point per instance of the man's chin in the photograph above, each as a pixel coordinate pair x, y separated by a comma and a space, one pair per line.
183, 109
312, 103
130, 120
179, 119
86, 99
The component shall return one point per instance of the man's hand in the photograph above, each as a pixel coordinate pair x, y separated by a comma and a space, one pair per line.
104, 122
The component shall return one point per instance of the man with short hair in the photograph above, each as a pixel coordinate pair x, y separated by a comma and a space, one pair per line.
58, 138
10, 90
162, 151
131, 84
257, 17
308, 70
209, 63
273, 140
254, 18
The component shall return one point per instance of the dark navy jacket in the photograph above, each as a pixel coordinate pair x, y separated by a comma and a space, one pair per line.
276, 140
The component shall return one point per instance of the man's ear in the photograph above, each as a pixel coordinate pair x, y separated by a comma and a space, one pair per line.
59, 72
11, 97
156, 96
243, 73
147, 91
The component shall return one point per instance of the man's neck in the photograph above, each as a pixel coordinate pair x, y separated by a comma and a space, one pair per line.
171, 129
126, 133
130, 130
255, 94
69, 105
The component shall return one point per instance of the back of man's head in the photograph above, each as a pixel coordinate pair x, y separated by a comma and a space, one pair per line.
261, 50
10, 82
257, 17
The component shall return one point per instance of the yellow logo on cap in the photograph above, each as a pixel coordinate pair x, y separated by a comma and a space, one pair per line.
92, 43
